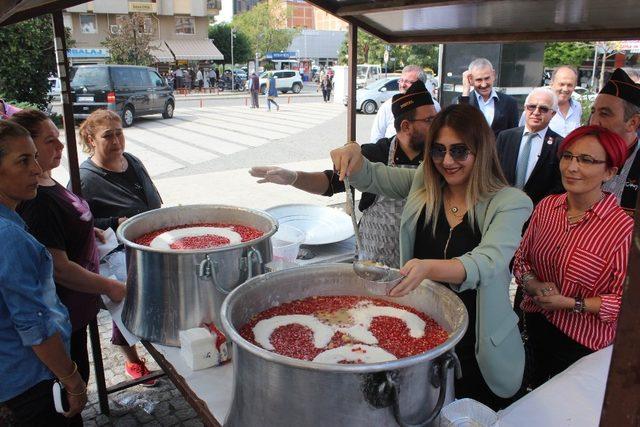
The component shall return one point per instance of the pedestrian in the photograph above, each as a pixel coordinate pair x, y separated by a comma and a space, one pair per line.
254, 89
212, 77
187, 79
272, 92
199, 80
326, 85
179, 77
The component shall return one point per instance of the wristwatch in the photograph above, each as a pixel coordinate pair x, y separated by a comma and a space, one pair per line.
578, 307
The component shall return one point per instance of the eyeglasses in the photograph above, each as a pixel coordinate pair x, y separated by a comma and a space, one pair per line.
583, 159
532, 107
427, 120
458, 153
401, 80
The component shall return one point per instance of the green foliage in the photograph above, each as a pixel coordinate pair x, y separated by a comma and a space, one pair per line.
265, 27
371, 51
221, 36
27, 60
131, 44
567, 53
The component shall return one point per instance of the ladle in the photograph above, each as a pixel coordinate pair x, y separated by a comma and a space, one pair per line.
379, 278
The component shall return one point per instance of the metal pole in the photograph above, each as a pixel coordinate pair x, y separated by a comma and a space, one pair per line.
233, 77
595, 60
351, 82
604, 63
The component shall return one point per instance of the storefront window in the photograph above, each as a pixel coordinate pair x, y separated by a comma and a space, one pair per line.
185, 25
88, 24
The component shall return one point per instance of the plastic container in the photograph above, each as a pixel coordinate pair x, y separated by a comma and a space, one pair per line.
467, 413
286, 244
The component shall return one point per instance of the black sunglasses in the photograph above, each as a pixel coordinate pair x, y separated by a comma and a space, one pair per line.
459, 153
427, 120
532, 107
583, 159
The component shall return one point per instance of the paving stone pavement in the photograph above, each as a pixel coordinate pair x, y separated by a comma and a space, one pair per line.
162, 405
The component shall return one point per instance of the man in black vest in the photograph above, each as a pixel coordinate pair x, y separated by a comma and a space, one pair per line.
500, 110
617, 108
528, 154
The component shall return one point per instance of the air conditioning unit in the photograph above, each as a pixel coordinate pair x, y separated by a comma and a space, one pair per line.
115, 29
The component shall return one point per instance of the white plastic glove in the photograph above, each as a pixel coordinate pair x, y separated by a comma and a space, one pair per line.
274, 175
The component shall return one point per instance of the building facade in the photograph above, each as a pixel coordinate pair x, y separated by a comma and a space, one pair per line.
179, 29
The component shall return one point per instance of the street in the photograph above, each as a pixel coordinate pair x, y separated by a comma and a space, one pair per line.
202, 155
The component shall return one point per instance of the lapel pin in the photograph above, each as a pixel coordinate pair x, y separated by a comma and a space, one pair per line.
550, 141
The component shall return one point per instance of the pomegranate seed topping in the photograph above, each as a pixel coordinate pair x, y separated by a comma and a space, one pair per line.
202, 242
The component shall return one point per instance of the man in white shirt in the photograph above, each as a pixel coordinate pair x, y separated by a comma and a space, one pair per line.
528, 154
383, 126
569, 114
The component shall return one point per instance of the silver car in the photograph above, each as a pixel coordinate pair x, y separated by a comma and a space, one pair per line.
370, 98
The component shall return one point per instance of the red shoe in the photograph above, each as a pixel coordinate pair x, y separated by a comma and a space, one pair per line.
139, 370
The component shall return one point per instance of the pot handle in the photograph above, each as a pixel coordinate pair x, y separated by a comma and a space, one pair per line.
251, 254
439, 379
207, 268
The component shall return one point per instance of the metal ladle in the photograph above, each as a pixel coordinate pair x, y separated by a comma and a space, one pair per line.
379, 278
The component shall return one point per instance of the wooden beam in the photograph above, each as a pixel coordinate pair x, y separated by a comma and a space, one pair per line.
351, 82
622, 396
28, 9
391, 5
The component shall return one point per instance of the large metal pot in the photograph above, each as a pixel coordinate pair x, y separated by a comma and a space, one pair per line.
274, 390
169, 291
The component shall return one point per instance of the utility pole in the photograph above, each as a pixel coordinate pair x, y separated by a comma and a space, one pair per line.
233, 75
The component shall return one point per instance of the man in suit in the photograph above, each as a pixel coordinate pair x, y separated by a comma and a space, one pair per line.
528, 154
500, 110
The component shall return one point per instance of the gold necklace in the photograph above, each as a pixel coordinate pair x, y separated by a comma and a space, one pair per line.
455, 211
580, 215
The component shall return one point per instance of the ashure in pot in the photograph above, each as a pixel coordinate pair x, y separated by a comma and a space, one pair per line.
172, 290
274, 390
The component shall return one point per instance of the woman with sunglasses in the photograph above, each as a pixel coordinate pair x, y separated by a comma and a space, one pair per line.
460, 226
573, 257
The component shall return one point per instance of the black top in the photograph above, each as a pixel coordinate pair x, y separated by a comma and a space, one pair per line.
505, 114
461, 239
377, 153
59, 219
630, 192
112, 195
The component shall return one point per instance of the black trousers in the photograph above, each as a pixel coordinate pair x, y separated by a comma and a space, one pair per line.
79, 352
35, 407
550, 350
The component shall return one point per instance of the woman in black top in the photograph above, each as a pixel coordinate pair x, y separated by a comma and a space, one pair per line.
117, 186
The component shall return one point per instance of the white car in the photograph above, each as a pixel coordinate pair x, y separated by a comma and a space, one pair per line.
286, 80
580, 93
370, 98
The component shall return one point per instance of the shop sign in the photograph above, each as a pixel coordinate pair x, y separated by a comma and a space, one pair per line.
88, 53
280, 55
138, 6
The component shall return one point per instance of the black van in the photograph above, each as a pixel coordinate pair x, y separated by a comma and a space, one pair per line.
129, 90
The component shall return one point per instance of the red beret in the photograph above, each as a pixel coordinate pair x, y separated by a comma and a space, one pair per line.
613, 144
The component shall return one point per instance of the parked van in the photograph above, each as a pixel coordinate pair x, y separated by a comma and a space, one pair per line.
367, 74
129, 90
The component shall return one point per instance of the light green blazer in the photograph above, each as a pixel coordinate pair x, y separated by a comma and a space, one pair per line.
499, 348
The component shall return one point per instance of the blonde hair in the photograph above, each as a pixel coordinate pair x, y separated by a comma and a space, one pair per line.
90, 125
486, 177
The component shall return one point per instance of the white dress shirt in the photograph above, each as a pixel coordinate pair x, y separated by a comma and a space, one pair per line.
383, 126
488, 107
563, 125
536, 149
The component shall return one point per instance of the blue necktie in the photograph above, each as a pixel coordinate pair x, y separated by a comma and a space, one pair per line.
523, 160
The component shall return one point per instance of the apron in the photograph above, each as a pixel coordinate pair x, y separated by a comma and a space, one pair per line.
380, 223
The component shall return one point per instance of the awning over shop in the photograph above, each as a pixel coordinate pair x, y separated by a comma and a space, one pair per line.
194, 50
160, 51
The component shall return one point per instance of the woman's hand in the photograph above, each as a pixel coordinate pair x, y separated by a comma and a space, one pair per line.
122, 219
78, 399
415, 271
117, 292
99, 235
554, 302
347, 160
536, 288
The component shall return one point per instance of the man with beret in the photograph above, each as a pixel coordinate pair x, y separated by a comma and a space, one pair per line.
380, 224
617, 108
383, 126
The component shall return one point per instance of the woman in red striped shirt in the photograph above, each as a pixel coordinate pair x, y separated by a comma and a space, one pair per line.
572, 260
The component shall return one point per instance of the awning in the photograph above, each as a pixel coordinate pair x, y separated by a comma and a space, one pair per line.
194, 50
160, 51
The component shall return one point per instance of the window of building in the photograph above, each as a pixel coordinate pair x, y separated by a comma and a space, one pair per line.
68, 22
88, 23
185, 25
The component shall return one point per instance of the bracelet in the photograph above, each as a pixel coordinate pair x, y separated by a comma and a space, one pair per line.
349, 142
78, 394
75, 369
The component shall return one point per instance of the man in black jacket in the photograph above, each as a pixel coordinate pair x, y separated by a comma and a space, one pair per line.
380, 225
500, 110
528, 154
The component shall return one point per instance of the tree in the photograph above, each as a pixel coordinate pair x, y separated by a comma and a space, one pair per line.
567, 53
27, 60
265, 27
131, 44
221, 36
